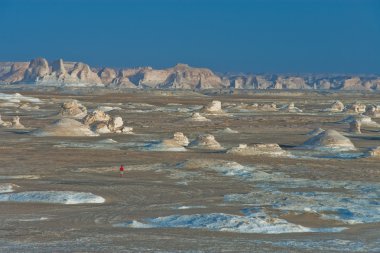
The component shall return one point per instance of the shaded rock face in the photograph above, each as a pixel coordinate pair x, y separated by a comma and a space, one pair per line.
206, 141
38, 68
84, 74
355, 126
73, 109
329, 140
96, 116
107, 75
16, 123
272, 149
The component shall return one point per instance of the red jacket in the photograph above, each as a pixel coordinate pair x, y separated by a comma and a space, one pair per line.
121, 168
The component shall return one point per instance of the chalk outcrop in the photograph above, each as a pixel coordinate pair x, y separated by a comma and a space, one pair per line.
356, 108
102, 123
315, 132
372, 111
362, 119
206, 141
291, 108
271, 149
65, 127
214, 107
355, 127
196, 116
329, 140
73, 109
16, 123
337, 106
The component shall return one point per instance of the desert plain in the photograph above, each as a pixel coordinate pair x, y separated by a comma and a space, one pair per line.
214, 186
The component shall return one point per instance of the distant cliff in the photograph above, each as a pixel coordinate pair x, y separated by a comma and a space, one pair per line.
59, 73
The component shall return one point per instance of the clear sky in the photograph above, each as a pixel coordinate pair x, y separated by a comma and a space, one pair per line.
274, 36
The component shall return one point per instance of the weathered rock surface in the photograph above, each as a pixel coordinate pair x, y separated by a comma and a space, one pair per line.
372, 111
337, 106
206, 141
214, 107
196, 116
291, 108
356, 108
102, 123
16, 123
355, 126
181, 76
178, 140
65, 127
73, 109
329, 140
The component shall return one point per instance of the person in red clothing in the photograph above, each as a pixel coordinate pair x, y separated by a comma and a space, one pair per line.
121, 170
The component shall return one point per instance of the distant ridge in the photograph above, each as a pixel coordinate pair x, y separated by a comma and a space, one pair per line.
60, 73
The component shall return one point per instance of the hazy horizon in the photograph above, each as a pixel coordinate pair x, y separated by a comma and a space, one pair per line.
272, 36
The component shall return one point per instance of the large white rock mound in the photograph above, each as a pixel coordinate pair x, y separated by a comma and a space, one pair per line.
197, 117
65, 127
214, 107
329, 140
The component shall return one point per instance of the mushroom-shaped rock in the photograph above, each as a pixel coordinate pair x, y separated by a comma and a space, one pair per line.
16, 123
329, 140
65, 127
196, 116
355, 126
206, 141
73, 109
271, 149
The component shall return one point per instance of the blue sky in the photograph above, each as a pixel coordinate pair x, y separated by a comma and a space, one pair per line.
273, 36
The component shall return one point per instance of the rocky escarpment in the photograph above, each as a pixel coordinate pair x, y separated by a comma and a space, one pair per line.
42, 72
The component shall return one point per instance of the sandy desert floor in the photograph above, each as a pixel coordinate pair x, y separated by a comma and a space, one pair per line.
192, 200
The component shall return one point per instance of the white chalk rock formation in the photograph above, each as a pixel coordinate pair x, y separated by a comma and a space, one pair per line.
363, 119
16, 123
206, 141
356, 108
196, 116
179, 139
291, 108
337, 106
271, 149
54, 197
355, 126
374, 152
329, 140
5, 123
66, 127
214, 107
73, 109
96, 116
102, 123
372, 111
